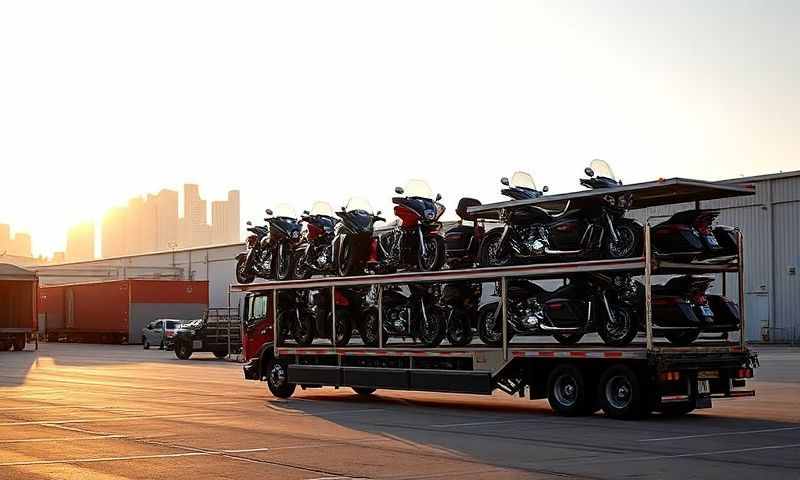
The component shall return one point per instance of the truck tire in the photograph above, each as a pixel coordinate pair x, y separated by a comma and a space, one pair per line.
364, 391
183, 350
569, 393
19, 343
278, 379
620, 393
220, 354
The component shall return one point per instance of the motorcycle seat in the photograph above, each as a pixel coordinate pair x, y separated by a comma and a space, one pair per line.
463, 205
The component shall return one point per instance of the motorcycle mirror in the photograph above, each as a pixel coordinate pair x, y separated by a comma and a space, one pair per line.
343, 209
378, 212
249, 223
545, 189
399, 190
306, 212
438, 196
589, 172
268, 211
504, 181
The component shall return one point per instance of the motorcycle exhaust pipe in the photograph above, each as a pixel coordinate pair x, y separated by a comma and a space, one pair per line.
561, 252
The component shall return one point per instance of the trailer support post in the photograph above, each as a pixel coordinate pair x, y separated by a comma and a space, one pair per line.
333, 317
648, 284
740, 265
276, 334
503, 298
380, 315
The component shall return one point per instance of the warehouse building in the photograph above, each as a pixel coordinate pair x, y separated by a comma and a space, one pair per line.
770, 222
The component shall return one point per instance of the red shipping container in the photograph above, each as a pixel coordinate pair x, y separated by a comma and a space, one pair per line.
116, 311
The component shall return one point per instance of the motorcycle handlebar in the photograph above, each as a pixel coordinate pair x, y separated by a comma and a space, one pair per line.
379, 219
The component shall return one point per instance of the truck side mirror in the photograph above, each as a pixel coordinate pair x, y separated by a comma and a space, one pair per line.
399, 190
504, 181
589, 172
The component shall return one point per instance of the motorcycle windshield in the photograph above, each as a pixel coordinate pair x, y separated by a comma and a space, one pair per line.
522, 180
418, 188
321, 208
602, 169
358, 204
284, 210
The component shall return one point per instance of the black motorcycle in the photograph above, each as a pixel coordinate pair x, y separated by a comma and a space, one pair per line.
415, 243
585, 304
354, 246
315, 319
256, 261
690, 235
284, 233
461, 240
460, 302
315, 253
534, 233
416, 316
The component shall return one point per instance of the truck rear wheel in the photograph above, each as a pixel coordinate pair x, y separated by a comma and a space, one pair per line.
620, 393
19, 343
568, 391
278, 379
183, 350
364, 391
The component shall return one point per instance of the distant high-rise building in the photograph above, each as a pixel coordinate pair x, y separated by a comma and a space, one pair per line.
167, 212
195, 214
133, 226
80, 242
113, 233
58, 257
225, 219
21, 245
5, 237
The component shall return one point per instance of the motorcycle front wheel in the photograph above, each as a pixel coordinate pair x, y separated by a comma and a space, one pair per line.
344, 329
620, 330
369, 328
490, 326
628, 244
459, 330
433, 259
432, 328
491, 253
300, 269
283, 262
346, 261
243, 275
303, 329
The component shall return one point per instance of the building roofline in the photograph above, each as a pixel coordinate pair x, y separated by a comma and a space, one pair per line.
136, 255
764, 177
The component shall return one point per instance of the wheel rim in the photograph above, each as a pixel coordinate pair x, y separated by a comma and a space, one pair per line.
493, 253
283, 260
566, 390
619, 324
277, 376
492, 332
341, 327
371, 328
623, 247
431, 253
430, 328
619, 392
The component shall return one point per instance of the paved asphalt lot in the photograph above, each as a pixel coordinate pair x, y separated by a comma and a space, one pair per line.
74, 411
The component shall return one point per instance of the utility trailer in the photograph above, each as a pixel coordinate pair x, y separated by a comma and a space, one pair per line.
626, 382
17, 307
218, 332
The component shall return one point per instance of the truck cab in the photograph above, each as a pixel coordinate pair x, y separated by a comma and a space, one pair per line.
257, 333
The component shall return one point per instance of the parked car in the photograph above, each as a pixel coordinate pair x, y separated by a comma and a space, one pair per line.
160, 332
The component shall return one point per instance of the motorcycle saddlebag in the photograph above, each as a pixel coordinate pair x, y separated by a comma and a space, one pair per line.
726, 314
727, 239
673, 312
676, 239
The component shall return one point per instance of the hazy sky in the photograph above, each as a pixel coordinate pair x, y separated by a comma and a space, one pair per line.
298, 101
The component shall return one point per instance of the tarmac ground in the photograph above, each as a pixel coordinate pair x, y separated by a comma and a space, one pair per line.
76, 411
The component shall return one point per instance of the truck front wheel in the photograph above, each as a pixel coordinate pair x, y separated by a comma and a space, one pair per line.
183, 350
278, 379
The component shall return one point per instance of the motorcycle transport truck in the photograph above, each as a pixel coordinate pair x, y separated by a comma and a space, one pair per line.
630, 381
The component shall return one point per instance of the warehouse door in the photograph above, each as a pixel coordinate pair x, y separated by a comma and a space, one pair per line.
757, 316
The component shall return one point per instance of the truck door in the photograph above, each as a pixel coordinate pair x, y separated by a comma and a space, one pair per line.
257, 323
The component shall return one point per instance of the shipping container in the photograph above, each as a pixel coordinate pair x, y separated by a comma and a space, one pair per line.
116, 311
17, 306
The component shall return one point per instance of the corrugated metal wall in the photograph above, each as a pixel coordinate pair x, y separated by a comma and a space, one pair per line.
770, 223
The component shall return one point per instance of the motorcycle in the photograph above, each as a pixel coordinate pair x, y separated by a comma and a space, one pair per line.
314, 317
354, 246
460, 302
284, 234
255, 262
315, 253
585, 304
532, 232
462, 241
415, 243
688, 235
416, 315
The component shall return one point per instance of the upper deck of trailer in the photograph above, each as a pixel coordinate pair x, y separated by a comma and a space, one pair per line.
642, 195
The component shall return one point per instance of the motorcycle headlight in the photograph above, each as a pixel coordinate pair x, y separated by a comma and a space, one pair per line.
295, 234
430, 214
